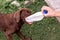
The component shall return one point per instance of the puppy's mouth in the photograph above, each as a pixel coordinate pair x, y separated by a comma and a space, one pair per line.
28, 22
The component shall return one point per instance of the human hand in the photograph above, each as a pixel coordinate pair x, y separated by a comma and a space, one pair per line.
50, 11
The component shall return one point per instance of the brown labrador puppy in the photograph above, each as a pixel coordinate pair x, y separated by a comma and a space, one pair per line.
12, 23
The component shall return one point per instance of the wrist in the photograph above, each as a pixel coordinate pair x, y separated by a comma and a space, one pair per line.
56, 13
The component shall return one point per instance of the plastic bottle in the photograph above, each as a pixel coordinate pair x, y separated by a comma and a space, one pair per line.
36, 16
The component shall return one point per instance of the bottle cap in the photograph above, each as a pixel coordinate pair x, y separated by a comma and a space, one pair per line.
45, 11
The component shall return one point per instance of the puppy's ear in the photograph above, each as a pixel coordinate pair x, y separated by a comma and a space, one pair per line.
17, 16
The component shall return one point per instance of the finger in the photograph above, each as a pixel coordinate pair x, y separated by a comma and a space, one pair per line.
46, 8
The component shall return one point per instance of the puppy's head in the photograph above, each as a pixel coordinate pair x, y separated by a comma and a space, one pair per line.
25, 13
21, 14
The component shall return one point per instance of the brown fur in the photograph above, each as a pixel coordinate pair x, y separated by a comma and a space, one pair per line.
12, 23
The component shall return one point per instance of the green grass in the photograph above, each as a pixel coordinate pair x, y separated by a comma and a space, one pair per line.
46, 29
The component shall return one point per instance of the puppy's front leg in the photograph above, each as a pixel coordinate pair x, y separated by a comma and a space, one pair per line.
21, 36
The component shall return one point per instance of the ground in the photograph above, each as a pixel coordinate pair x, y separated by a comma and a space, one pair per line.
46, 29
